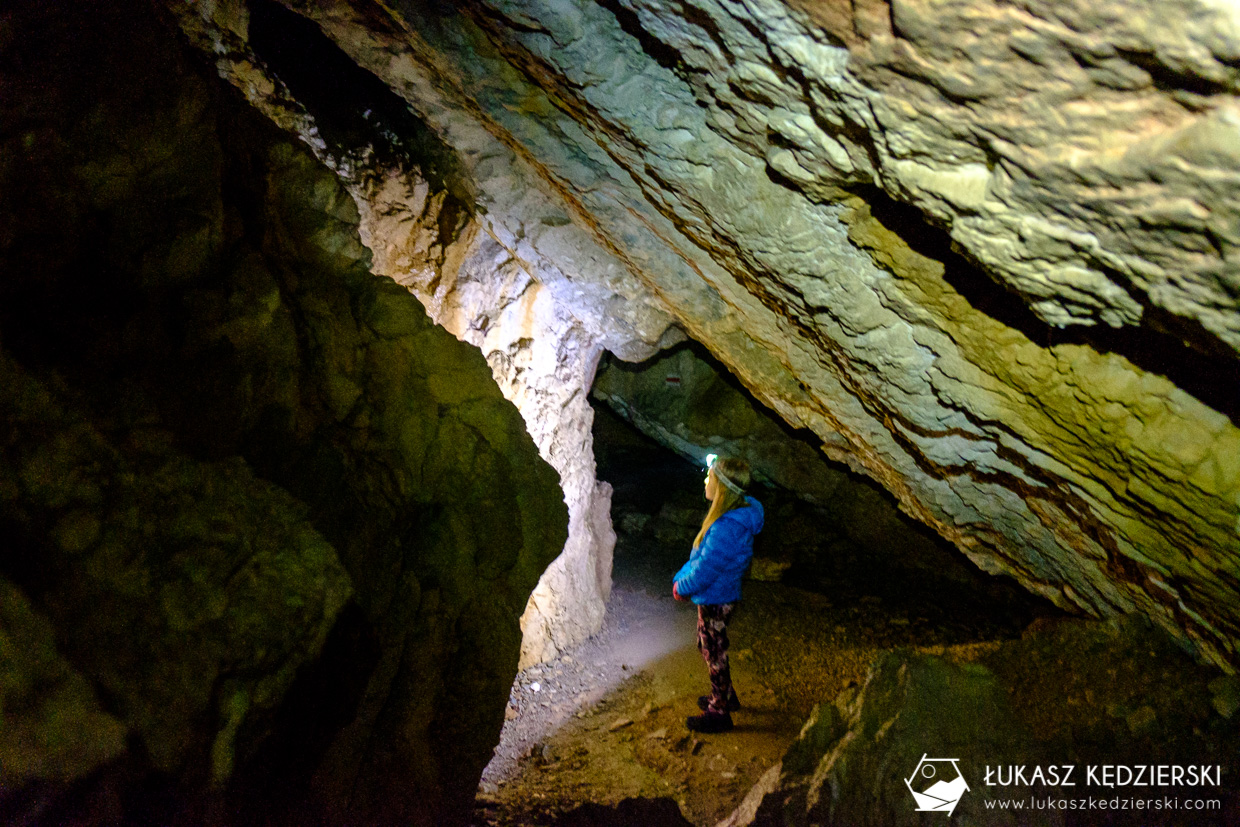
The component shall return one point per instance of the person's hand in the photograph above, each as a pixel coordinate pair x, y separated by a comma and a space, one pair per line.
676, 594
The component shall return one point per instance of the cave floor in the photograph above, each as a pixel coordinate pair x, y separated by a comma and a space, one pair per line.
606, 721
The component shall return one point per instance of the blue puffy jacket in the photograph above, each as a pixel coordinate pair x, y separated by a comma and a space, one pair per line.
713, 573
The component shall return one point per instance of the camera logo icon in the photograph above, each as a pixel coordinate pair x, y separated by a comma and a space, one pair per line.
937, 784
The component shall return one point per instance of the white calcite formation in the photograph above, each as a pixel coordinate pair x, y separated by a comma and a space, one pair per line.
729, 167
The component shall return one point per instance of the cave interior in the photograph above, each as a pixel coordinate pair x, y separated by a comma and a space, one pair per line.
359, 362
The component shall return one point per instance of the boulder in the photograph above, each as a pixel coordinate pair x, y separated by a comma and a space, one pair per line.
1070, 694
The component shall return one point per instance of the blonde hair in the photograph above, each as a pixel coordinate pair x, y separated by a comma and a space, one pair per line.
737, 472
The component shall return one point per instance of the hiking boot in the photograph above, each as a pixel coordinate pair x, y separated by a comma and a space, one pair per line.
710, 722
734, 703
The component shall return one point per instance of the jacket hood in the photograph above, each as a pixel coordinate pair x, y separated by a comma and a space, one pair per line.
751, 516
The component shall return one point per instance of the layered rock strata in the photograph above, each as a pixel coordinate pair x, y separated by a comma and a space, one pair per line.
510, 287
269, 530
742, 166
683, 400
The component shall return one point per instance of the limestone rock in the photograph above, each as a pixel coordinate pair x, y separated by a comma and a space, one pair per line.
683, 400
1028, 703
541, 329
746, 181
188, 594
53, 725
687, 402
281, 524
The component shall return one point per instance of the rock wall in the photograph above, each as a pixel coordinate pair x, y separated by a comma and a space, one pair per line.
683, 400
1076, 694
543, 360
269, 529
787, 182
492, 284
143, 592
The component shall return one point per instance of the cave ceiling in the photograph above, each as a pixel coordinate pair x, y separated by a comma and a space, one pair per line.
985, 251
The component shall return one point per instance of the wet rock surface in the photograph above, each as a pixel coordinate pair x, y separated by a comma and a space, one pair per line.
270, 529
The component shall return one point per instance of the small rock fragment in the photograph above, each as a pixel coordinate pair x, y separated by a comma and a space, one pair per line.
619, 723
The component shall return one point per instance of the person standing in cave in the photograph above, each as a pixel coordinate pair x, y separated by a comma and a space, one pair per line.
712, 579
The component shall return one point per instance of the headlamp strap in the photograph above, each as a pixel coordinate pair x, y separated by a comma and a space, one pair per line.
731, 486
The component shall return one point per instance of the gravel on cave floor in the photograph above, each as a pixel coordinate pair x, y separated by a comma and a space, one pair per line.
606, 722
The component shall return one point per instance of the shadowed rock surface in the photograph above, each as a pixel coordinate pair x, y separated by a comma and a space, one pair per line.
1079, 694
268, 529
658, 812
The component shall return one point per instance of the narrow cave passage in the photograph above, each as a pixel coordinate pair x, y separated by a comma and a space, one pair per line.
598, 735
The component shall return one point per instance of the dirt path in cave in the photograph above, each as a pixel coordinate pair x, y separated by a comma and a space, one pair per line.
606, 722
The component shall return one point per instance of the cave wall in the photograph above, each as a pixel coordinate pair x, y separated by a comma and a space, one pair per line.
541, 329
829, 197
1069, 693
269, 530
684, 400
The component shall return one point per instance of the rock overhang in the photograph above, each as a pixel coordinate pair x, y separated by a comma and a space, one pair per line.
714, 165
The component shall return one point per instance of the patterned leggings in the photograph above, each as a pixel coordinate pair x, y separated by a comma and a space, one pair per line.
712, 632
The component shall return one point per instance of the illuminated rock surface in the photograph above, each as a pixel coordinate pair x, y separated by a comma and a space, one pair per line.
541, 330
783, 182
